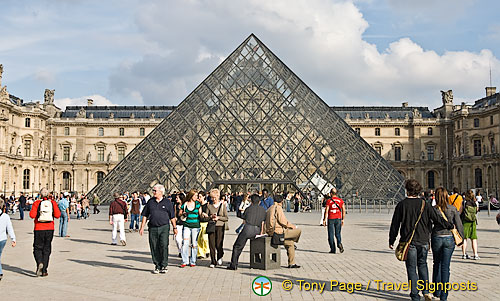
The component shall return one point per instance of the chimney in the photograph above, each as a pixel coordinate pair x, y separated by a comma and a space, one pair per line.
490, 91
405, 104
90, 102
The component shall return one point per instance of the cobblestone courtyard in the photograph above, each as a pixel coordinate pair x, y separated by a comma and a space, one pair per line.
86, 266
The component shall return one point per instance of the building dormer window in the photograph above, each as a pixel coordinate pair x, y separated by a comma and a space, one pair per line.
27, 122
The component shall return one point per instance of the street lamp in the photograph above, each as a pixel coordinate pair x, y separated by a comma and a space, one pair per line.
14, 189
33, 190
82, 188
4, 189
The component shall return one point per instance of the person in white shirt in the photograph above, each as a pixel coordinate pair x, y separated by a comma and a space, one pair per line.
479, 198
5, 228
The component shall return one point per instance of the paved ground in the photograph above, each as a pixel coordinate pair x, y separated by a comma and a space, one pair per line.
86, 267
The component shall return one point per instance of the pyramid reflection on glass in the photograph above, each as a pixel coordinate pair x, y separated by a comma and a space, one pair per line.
253, 120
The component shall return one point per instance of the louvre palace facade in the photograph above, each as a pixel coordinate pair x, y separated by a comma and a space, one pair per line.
455, 145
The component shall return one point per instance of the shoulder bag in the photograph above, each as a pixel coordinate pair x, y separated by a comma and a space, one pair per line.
403, 246
456, 236
277, 239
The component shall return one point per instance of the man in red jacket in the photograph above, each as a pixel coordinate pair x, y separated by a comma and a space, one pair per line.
44, 232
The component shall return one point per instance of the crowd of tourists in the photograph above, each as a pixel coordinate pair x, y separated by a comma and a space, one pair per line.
199, 221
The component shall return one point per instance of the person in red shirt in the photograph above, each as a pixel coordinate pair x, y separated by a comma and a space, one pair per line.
334, 214
43, 232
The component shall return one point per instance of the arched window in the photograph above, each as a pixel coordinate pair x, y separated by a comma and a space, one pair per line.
429, 131
100, 131
431, 179
26, 179
397, 131
478, 177
66, 183
100, 177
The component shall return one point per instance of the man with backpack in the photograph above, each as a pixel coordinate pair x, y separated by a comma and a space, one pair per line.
43, 212
456, 200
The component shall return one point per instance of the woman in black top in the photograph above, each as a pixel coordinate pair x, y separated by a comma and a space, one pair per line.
178, 201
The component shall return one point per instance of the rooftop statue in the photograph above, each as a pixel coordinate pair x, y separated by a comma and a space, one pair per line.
48, 97
447, 97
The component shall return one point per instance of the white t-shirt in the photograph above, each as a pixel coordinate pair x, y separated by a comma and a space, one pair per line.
479, 199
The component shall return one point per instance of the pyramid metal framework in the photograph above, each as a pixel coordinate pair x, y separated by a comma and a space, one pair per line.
253, 120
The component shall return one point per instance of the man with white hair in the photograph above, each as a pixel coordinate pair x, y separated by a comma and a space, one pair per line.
43, 212
159, 211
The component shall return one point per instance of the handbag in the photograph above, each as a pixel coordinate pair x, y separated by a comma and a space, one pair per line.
403, 246
459, 240
277, 239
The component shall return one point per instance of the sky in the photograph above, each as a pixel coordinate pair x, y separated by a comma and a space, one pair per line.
155, 52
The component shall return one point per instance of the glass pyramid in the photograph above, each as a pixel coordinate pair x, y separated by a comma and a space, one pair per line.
252, 120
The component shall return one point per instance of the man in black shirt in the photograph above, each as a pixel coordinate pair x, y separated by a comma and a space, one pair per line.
404, 219
160, 212
255, 217
22, 206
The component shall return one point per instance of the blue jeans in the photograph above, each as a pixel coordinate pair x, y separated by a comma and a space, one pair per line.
63, 224
417, 260
288, 206
189, 243
2, 244
442, 249
134, 220
21, 213
334, 227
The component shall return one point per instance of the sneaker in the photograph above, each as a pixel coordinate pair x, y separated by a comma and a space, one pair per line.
39, 270
124, 243
428, 297
183, 265
466, 256
156, 271
476, 257
341, 248
164, 270
219, 262
212, 266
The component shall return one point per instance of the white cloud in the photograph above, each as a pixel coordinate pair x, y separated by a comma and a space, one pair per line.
45, 76
320, 40
99, 100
